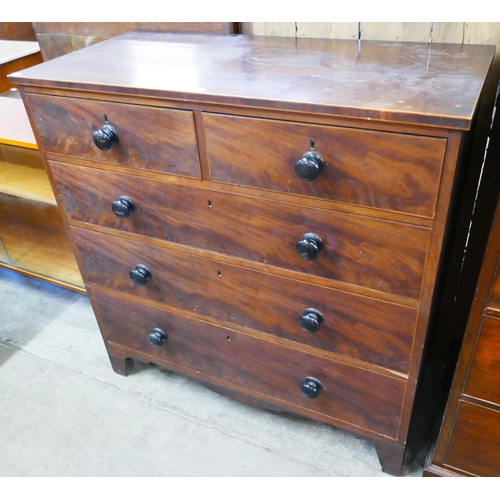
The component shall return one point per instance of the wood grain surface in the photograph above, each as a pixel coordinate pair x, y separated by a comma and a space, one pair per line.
149, 138
376, 80
390, 171
475, 441
482, 381
368, 252
353, 326
360, 397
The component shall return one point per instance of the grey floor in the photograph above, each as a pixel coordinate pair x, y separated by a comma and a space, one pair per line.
65, 413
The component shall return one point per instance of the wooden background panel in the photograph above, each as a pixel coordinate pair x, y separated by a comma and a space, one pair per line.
328, 30
269, 29
401, 32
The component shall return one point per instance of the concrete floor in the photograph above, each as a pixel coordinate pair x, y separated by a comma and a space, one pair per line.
65, 413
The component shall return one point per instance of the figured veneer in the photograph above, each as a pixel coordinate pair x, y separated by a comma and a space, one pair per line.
249, 228
360, 397
263, 154
148, 137
355, 326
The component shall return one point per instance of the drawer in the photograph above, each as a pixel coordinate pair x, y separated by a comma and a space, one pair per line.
352, 325
377, 169
150, 138
372, 253
483, 374
264, 369
474, 444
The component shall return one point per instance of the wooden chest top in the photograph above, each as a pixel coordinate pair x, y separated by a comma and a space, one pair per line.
413, 83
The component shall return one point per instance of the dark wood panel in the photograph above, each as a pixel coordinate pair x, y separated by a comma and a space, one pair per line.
407, 83
474, 444
149, 138
112, 29
482, 381
390, 171
376, 254
354, 326
236, 360
17, 31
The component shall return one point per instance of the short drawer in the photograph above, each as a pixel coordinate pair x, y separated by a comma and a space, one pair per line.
150, 138
350, 325
364, 251
474, 444
384, 170
483, 380
265, 369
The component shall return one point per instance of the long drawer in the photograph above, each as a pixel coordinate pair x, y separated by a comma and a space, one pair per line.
149, 138
244, 362
377, 169
359, 327
474, 444
372, 253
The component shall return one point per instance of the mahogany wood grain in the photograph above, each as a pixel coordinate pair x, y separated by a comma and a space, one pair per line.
390, 171
354, 326
151, 138
482, 381
372, 253
236, 360
398, 82
474, 444
17, 31
16, 65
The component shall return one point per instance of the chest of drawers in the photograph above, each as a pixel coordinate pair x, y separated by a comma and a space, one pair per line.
265, 215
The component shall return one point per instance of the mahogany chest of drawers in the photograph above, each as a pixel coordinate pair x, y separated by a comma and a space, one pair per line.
265, 215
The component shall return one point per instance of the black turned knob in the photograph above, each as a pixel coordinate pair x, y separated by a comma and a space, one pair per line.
309, 166
311, 320
309, 246
310, 388
157, 337
105, 137
123, 207
140, 275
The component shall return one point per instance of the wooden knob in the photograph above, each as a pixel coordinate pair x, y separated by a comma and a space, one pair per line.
105, 137
123, 207
157, 337
311, 388
309, 246
309, 166
140, 275
311, 320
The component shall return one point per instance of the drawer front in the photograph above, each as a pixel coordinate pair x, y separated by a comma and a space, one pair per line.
157, 139
377, 169
483, 375
268, 370
354, 326
372, 253
474, 444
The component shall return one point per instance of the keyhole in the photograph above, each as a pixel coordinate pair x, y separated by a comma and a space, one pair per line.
209, 203
219, 274
311, 144
105, 116
228, 338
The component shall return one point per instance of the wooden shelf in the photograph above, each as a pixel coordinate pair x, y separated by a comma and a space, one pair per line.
22, 174
39, 251
15, 128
